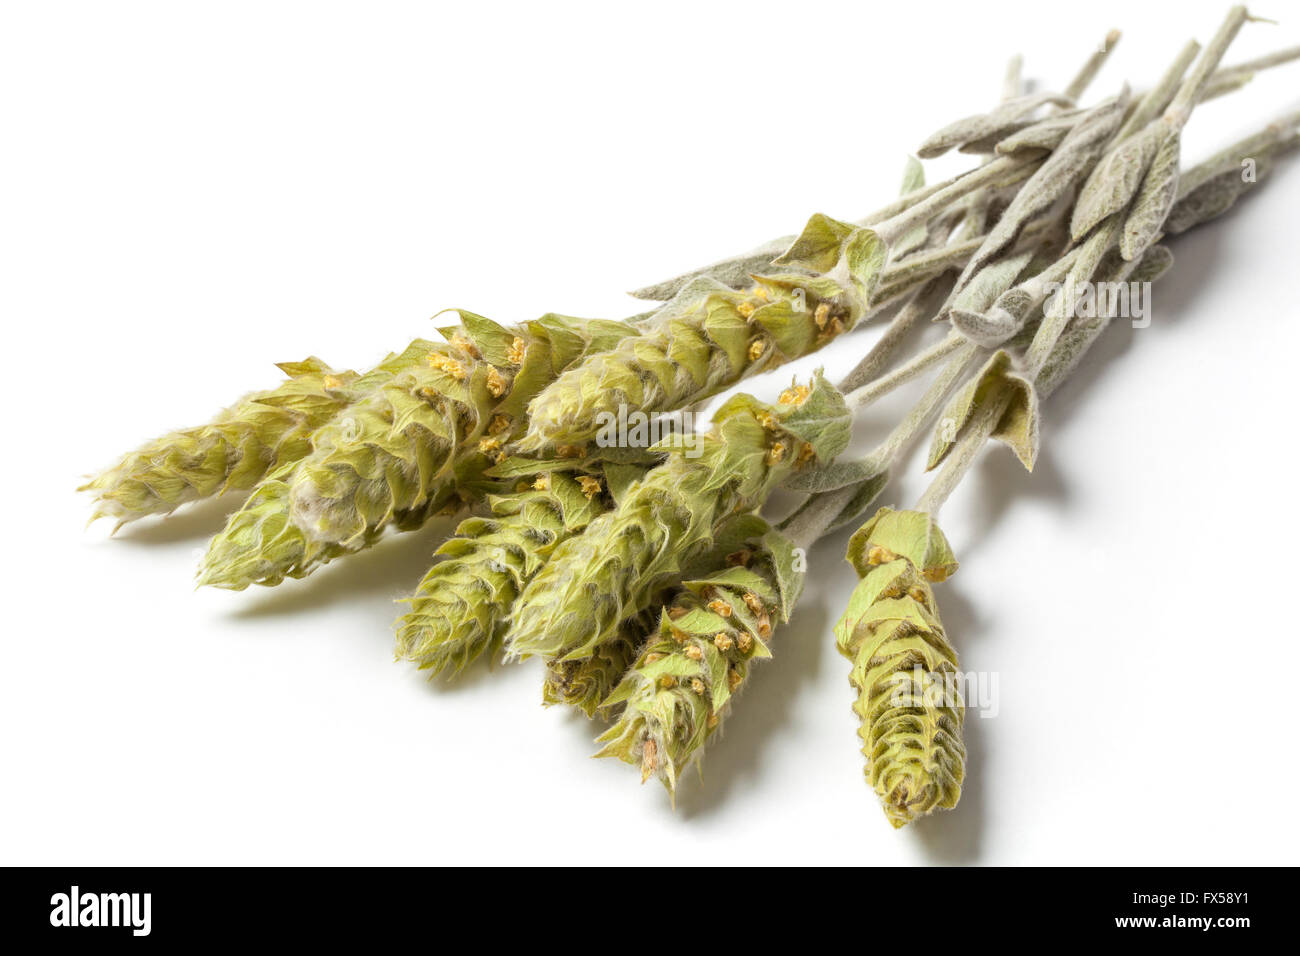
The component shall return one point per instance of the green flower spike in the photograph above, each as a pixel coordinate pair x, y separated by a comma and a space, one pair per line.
259, 545
233, 452
398, 451
462, 607
393, 451
710, 336
681, 686
666, 522
586, 683
420, 444
911, 729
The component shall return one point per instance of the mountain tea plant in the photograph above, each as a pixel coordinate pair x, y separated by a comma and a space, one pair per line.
650, 576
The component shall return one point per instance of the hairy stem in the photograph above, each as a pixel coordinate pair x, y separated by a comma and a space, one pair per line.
1158, 97
1083, 79
923, 306
1054, 323
1189, 94
964, 452
809, 523
998, 171
861, 397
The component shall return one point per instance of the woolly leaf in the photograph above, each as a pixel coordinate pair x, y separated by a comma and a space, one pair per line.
1153, 202
1115, 180
817, 248
987, 125
913, 535
493, 340
1018, 426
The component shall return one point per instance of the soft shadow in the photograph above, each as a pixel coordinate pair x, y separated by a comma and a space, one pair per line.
484, 669
1001, 481
758, 715
766, 703
199, 519
394, 567
577, 722
955, 836
1195, 255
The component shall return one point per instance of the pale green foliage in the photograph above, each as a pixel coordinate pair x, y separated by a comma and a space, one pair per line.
645, 578
996, 382
1115, 180
232, 452
1067, 164
420, 443
461, 608
675, 696
1083, 331
1154, 200
667, 521
701, 343
1008, 118
392, 453
435, 427
910, 729
260, 545
586, 683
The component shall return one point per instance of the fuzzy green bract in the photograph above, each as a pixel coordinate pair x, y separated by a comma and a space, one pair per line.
394, 450
666, 522
997, 381
585, 684
711, 336
398, 450
420, 443
231, 453
259, 543
904, 670
461, 608
673, 699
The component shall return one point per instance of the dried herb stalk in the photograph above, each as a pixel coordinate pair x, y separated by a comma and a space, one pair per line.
647, 578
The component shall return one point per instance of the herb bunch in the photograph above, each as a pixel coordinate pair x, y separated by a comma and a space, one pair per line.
650, 576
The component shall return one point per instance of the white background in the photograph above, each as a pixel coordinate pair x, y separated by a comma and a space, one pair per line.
193, 191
